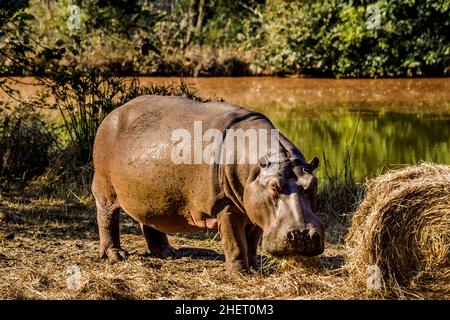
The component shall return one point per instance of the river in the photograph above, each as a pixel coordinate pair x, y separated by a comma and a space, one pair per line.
377, 123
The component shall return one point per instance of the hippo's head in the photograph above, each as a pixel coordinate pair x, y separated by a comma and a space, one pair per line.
280, 199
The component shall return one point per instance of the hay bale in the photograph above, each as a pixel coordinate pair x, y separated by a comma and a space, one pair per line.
403, 227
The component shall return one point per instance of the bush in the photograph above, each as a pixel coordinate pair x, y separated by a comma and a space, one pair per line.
339, 38
25, 142
335, 38
84, 99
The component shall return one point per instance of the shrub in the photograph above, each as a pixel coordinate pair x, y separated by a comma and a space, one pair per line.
334, 37
25, 142
84, 98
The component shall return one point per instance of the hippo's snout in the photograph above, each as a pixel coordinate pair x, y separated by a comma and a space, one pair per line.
314, 243
305, 242
308, 242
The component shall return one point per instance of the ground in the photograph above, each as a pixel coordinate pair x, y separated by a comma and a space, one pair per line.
41, 238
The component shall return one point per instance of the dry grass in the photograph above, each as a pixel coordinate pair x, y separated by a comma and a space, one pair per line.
41, 237
38, 270
403, 227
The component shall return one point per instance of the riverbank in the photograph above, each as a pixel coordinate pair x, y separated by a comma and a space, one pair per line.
387, 121
425, 95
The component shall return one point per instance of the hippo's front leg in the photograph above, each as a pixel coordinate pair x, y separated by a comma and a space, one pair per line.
232, 232
253, 235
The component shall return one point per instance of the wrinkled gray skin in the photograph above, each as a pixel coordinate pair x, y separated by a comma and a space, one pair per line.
243, 201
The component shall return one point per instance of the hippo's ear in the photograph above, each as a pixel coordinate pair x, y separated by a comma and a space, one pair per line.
314, 163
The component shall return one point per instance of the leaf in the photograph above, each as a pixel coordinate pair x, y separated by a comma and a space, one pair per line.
153, 16
148, 46
74, 51
26, 16
145, 50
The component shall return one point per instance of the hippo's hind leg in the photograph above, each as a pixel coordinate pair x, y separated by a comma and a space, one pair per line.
108, 219
157, 243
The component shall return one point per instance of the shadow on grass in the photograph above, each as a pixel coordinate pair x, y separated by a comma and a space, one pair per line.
199, 235
200, 253
52, 217
189, 252
45, 218
332, 263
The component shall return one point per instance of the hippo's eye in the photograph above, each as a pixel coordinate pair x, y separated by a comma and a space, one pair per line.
306, 170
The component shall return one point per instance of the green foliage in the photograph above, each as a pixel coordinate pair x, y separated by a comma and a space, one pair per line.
340, 38
9, 8
213, 22
335, 37
14, 39
38, 39
84, 99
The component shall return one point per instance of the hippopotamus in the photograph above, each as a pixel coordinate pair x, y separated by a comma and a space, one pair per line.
271, 199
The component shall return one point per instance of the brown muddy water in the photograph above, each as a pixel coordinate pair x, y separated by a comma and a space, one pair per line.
384, 123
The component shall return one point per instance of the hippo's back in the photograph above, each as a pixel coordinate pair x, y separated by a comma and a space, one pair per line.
133, 151
143, 126
148, 112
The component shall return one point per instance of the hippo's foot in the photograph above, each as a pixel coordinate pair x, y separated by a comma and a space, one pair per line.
237, 267
253, 264
113, 254
164, 252
158, 244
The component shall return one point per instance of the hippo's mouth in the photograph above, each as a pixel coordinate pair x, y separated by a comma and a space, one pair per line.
284, 249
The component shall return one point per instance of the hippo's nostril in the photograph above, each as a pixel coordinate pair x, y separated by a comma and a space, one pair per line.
315, 242
315, 238
291, 235
297, 237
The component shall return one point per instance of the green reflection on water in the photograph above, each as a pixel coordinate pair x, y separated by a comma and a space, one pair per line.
383, 140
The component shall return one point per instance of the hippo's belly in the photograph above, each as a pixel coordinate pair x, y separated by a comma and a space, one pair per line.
158, 196
166, 218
